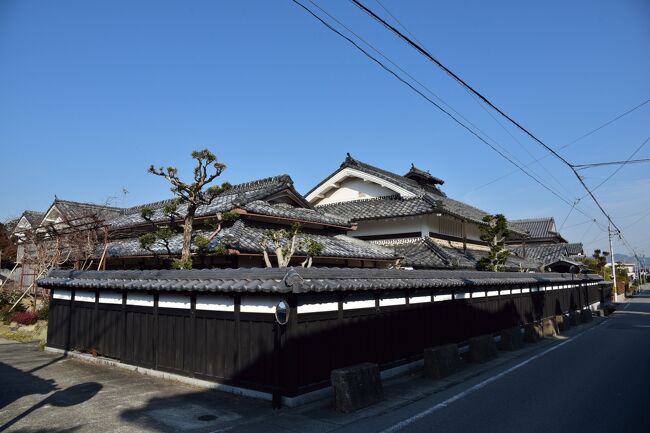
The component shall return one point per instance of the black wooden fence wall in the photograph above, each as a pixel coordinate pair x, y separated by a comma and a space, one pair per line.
250, 350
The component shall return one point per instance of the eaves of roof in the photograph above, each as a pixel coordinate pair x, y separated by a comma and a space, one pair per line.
297, 280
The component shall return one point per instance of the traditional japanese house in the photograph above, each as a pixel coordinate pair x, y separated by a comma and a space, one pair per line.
544, 243
410, 214
235, 226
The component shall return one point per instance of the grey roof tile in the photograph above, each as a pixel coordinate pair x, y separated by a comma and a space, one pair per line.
537, 228
298, 280
247, 239
546, 253
381, 207
429, 198
287, 211
236, 196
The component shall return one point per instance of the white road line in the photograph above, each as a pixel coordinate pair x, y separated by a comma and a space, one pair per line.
626, 305
478, 386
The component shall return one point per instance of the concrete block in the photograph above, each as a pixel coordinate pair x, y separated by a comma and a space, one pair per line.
574, 318
482, 348
533, 332
548, 328
561, 323
441, 361
586, 316
356, 387
511, 339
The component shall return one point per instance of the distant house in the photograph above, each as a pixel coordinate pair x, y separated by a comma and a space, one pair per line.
410, 214
544, 243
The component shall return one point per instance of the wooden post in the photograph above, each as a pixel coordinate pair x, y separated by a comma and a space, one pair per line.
193, 333
125, 344
276, 399
93, 344
156, 331
237, 317
70, 313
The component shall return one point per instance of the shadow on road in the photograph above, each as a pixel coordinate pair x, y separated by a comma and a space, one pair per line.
70, 396
16, 384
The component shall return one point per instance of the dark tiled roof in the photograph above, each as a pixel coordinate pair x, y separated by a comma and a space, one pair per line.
380, 207
247, 239
422, 254
287, 211
73, 210
537, 227
349, 162
428, 196
242, 195
298, 280
34, 218
574, 249
422, 176
546, 253
426, 253
11, 224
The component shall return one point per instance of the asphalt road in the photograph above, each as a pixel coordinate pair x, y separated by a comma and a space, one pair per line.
595, 381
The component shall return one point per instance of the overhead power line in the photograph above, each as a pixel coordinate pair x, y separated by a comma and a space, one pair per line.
435, 104
621, 166
609, 122
463, 83
456, 120
601, 164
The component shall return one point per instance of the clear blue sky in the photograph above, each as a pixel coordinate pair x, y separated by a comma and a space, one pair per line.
91, 93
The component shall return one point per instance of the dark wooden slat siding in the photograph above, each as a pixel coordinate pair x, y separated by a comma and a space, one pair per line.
238, 348
59, 318
108, 330
173, 335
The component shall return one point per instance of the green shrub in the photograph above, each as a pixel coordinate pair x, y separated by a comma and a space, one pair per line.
44, 311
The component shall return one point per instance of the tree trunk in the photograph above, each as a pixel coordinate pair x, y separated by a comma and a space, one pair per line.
187, 235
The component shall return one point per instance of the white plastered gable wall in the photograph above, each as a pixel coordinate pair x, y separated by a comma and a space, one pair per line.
350, 184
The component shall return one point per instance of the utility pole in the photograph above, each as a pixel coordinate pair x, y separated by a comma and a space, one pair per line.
611, 254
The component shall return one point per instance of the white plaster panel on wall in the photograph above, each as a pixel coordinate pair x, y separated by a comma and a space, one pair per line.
139, 299
62, 294
84, 296
493, 293
359, 300
259, 304
391, 226
446, 297
504, 292
317, 303
534, 289
478, 294
419, 299
181, 302
110, 298
215, 303
526, 290
462, 295
516, 291
392, 299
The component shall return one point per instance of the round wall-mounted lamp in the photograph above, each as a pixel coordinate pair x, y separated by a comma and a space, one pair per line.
282, 313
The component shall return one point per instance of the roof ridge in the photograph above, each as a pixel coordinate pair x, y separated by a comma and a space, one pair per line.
232, 190
532, 219
83, 203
